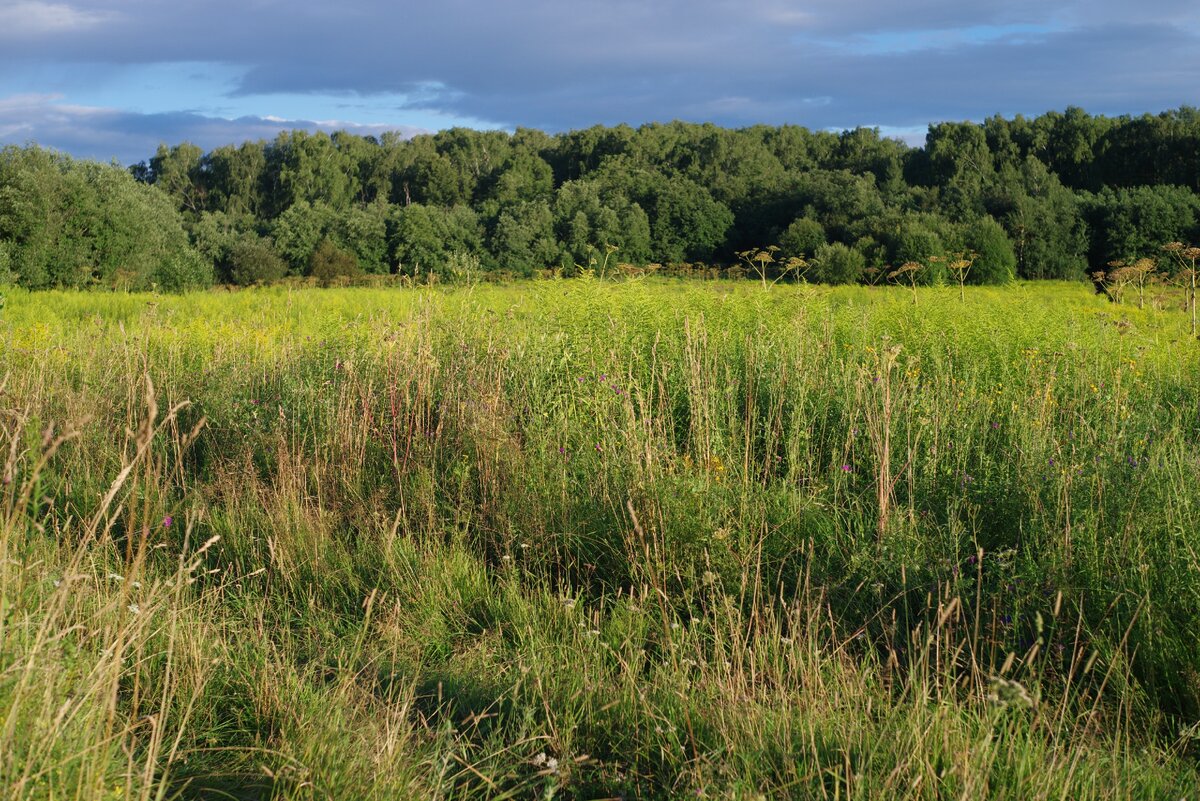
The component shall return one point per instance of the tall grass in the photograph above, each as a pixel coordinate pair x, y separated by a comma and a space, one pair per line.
591, 540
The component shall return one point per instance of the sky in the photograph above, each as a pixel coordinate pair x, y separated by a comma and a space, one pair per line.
112, 79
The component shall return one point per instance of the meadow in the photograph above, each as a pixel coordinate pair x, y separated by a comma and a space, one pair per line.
580, 539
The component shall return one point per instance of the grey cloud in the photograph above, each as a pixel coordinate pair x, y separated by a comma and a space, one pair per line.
112, 134
561, 64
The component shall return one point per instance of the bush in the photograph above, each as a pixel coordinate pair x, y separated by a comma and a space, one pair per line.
837, 264
331, 265
802, 238
922, 246
253, 260
996, 262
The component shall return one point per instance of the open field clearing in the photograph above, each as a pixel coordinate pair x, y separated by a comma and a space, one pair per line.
586, 540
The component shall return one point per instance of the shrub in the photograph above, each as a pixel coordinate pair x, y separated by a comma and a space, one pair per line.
253, 260
837, 264
802, 238
331, 265
996, 262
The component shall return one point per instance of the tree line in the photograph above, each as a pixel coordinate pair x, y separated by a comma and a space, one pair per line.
1057, 196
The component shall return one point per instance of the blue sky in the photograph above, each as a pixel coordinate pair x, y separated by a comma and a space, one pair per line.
114, 78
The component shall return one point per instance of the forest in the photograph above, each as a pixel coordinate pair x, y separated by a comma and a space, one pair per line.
1057, 196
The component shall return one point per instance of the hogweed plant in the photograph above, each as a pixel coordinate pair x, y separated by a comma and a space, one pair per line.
1187, 275
908, 273
960, 267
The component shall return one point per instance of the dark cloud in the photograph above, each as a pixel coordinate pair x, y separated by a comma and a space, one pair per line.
561, 64
108, 134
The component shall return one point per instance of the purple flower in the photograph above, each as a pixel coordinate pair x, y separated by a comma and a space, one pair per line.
847, 468
167, 521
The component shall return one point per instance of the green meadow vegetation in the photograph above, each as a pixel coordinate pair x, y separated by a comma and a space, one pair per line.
589, 539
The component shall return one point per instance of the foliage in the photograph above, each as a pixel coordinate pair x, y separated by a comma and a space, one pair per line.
995, 262
253, 260
73, 223
836, 263
1072, 192
332, 266
802, 238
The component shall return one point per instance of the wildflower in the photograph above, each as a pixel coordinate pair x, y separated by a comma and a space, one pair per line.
167, 521
135, 609
847, 468
1006, 692
115, 577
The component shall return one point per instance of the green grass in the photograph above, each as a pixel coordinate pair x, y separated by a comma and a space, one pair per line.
584, 540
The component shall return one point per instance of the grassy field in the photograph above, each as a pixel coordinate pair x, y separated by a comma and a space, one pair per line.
584, 540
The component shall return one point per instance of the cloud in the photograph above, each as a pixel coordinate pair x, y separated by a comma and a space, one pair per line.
560, 64
106, 133
26, 19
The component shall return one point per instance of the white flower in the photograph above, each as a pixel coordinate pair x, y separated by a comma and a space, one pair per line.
135, 609
116, 577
